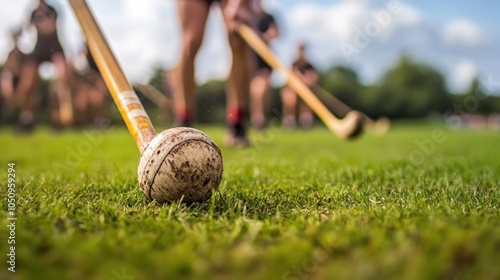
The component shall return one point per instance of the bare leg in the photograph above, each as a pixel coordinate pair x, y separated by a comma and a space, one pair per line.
54, 107
238, 84
259, 98
306, 117
63, 91
193, 16
81, 104
26, 94
6, 86
97, 100
6, 94
289, 101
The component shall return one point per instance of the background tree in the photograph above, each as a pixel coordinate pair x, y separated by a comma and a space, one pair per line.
485, 101
410, 90
343, 83
211, 102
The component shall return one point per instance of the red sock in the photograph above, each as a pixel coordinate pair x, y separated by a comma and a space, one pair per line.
236, 115
184, 116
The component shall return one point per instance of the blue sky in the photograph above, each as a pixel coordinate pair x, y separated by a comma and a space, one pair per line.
483, 12
460, 38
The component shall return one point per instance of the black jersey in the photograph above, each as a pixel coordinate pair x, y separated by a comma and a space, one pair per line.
303, 66
47, 43
42, 13
265, 22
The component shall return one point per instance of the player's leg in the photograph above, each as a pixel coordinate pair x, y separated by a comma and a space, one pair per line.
6, 92
238, 85
289, 102
193, 16
7, 86
259, 97
97, 100
306, 117
25, 93
62, 89
81, 103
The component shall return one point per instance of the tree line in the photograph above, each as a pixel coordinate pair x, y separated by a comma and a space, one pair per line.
409, 89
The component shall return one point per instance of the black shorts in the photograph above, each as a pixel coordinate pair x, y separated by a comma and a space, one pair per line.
261, 63
45, 49
15, 81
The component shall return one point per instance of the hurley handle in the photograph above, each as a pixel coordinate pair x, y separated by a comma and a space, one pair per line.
129, 105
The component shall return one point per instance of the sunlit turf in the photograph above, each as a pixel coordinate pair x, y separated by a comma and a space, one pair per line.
301, 205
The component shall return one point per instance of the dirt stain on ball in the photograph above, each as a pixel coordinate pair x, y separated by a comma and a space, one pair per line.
180, 163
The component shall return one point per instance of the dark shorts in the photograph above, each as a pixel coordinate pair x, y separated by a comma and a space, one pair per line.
15, 81
45, 49
260, 63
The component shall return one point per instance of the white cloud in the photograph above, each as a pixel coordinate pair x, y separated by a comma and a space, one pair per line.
150, 36
12, 16
462, 32
324, 28
141, 34
464, 71
341, 18
214, 60
409, 16
373, 28
146, 33
334, 21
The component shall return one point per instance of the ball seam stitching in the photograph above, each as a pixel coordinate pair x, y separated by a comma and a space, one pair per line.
166, 154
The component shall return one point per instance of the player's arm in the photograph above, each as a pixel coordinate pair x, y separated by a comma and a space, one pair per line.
236, 11
6, 79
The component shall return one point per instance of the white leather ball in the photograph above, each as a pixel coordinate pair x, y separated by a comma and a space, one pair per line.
180, 163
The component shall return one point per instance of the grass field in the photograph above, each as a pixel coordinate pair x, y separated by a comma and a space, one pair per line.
420, 203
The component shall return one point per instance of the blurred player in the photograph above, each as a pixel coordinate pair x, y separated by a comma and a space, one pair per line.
291, 102
90, 92
47, 49
193, 17
9, 78
260, 86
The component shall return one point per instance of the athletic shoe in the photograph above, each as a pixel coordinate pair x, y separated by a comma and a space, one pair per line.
306, 120
259, 123
183, 123
26, 128
289, 123
236, 136
26, 123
